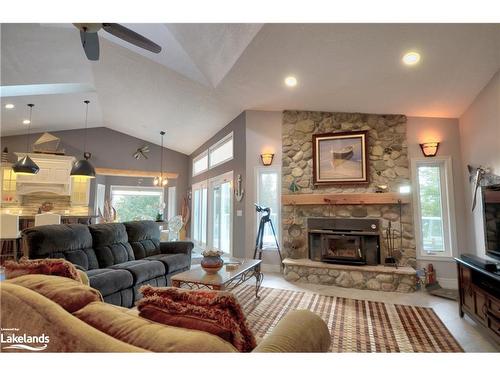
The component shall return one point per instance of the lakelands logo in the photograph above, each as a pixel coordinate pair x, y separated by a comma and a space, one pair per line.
15, 340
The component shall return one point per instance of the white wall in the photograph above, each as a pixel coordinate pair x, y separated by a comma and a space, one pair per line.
480, 145
445, 131
263, 134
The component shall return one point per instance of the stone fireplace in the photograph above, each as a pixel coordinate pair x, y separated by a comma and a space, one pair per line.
388, 164
344, 241
336, 244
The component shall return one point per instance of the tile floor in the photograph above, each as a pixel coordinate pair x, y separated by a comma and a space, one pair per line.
464, 330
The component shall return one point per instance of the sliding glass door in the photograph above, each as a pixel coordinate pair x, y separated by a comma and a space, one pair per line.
199, 210
221, 218
212, 222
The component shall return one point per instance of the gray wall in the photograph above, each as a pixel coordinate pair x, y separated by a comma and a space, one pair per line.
112, 149
480, 145
237, 165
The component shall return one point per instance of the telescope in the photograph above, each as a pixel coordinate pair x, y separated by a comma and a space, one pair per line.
259, 208
259, 242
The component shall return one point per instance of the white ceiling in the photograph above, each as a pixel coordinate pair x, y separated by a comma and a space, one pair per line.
207, 74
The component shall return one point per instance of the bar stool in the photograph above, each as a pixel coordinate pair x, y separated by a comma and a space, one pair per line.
10, 237
47, 218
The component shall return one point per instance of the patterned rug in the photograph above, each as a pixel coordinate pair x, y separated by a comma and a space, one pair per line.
355, 325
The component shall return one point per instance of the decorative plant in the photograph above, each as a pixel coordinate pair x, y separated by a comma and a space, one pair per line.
109, 214
212, 253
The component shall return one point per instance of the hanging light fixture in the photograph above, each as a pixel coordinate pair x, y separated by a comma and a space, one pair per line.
160, 180
83, 167
26, 165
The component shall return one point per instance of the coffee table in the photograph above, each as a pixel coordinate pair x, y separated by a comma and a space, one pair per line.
225, 279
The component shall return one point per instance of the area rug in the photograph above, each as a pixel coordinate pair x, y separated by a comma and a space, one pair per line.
355, 325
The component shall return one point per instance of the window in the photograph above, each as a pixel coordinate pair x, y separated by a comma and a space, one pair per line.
434, 211
268, 195
200, 163
217, 154
199, 210
172, 203
136, 203
221, 152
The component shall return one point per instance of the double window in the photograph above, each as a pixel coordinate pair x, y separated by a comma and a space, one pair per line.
217, 154
434, 210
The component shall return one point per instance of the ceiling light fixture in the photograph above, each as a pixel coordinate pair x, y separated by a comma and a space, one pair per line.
26, 166
291, 81
26, 122
9, 106
83, 167
160, 180
411, 58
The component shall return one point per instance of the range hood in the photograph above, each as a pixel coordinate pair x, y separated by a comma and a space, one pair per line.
53, 177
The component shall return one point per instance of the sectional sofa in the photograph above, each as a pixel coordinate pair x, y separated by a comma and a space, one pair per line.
118, 258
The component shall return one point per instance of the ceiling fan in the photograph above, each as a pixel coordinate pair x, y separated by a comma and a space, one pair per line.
90, 40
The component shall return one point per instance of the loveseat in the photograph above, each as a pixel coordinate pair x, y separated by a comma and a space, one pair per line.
118, 258
75, 319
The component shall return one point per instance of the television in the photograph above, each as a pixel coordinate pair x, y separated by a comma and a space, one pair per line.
491, 208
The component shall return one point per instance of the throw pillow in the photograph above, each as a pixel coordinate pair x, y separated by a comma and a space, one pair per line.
214, 312
55, 267
71, 295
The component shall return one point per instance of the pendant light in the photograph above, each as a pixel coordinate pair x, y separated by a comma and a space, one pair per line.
26, 165
83, 167
160, 180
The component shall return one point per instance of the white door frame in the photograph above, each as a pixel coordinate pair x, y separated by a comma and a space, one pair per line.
217, 181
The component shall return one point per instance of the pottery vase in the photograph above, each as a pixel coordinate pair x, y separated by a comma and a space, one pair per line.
212, 264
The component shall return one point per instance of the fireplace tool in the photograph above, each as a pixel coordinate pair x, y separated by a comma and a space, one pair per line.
390, 240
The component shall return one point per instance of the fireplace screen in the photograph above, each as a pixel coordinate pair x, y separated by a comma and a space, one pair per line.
342, 248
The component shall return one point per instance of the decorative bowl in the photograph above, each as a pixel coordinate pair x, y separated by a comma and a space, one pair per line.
212, 264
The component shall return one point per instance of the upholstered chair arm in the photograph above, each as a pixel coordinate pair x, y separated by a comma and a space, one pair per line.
300, 331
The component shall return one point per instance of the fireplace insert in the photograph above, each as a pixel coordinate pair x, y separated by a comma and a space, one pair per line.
346, 241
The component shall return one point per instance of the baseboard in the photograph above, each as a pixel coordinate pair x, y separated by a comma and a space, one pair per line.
448, 283
271, 268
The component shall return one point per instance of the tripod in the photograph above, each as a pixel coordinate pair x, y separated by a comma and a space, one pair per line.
259, 242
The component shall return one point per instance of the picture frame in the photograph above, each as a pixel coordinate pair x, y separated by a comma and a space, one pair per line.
340, 158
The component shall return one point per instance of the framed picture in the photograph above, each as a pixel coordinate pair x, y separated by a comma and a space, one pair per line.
340, 158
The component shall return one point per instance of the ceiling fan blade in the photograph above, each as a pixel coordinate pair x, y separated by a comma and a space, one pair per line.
131, 36
90, 43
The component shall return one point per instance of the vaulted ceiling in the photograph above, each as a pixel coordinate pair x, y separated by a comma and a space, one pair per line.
207, 74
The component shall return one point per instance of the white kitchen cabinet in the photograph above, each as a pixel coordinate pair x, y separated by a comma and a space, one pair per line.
9, 193
80, 191
53, 176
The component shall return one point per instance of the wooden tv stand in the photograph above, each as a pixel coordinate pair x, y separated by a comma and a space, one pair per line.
480, 297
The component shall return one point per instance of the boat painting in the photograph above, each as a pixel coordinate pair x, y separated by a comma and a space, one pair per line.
340, 158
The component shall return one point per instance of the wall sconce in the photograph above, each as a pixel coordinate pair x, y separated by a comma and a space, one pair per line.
429, 149
267, 159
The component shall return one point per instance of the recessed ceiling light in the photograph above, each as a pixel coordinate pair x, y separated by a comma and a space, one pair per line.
291, 81
411, 58
9, 106
26, 122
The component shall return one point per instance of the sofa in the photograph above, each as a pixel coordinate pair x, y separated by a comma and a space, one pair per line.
118, 258
75, 319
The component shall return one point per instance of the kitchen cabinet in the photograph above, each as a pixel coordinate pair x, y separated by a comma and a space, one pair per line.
53, 176
9, 180
80, 191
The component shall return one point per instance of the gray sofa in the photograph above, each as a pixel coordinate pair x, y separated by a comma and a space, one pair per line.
118, 257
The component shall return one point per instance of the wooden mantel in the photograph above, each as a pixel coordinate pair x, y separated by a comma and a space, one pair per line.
344, 198
133, 173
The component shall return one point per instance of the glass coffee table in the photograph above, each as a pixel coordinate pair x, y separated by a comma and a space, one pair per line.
226, 279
